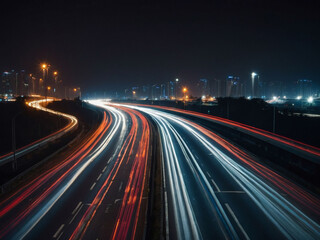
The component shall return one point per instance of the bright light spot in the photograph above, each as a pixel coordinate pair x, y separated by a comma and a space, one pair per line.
177, 80
310, 99
284, 97
274, 98
203, 97
253, 74
299, 97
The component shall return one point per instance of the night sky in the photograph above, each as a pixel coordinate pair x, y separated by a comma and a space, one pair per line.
108, 45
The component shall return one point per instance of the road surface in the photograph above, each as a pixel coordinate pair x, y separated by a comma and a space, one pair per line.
215, 190
73, 122
98, 192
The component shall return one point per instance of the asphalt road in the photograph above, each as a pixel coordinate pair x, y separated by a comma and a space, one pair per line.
214, 190
99, 192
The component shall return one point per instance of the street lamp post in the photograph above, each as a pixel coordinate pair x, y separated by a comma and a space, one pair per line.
176, 88
253, 74
44, 67
13, 126
184, 96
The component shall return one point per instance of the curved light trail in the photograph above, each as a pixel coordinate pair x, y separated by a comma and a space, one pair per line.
309, 151
73, 122
117, 152
203, 175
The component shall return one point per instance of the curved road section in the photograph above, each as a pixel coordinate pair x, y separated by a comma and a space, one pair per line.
73, 122
215, 190
98, 192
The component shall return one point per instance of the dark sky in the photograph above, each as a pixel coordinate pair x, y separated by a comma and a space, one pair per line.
107, 45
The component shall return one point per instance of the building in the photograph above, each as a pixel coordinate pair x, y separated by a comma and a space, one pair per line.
304, 88
156, 92
202, 88
234, 88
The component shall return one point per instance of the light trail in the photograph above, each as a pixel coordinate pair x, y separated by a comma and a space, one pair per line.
260, 133
129, 211
73, 122
263, 186
60, 178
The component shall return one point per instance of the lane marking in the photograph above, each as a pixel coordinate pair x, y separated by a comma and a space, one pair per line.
60, 236
99, 177
104, 168
107, 208
92, 186
117, 200
232, 192
209, 174
58, 231
76, 214
215, 185
120, 186
76, 208
237, 221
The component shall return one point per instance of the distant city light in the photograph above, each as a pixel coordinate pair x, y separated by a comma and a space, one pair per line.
310, 99
284, 97
274, 98
253, 74
203, 97
299, 97
177, 80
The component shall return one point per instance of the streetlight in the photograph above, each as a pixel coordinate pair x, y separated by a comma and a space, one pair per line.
310, 99
184, 92
176, 88
253, 74
44, 67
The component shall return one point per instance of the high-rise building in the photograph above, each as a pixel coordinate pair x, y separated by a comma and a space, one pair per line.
234, 88
8, 83
256, 85
156, 92
304, 88
202, 88
171, 89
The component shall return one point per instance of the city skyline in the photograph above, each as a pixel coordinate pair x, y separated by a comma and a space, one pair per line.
112, 45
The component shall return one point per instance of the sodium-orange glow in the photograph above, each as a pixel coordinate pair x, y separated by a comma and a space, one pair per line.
74, 89
55, 73
44, 66
184, 90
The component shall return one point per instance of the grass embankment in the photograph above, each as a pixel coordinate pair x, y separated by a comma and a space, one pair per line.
51, 154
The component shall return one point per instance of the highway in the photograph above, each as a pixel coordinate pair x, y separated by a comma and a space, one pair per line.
215, 190
98, 192
73, 122
212, 189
